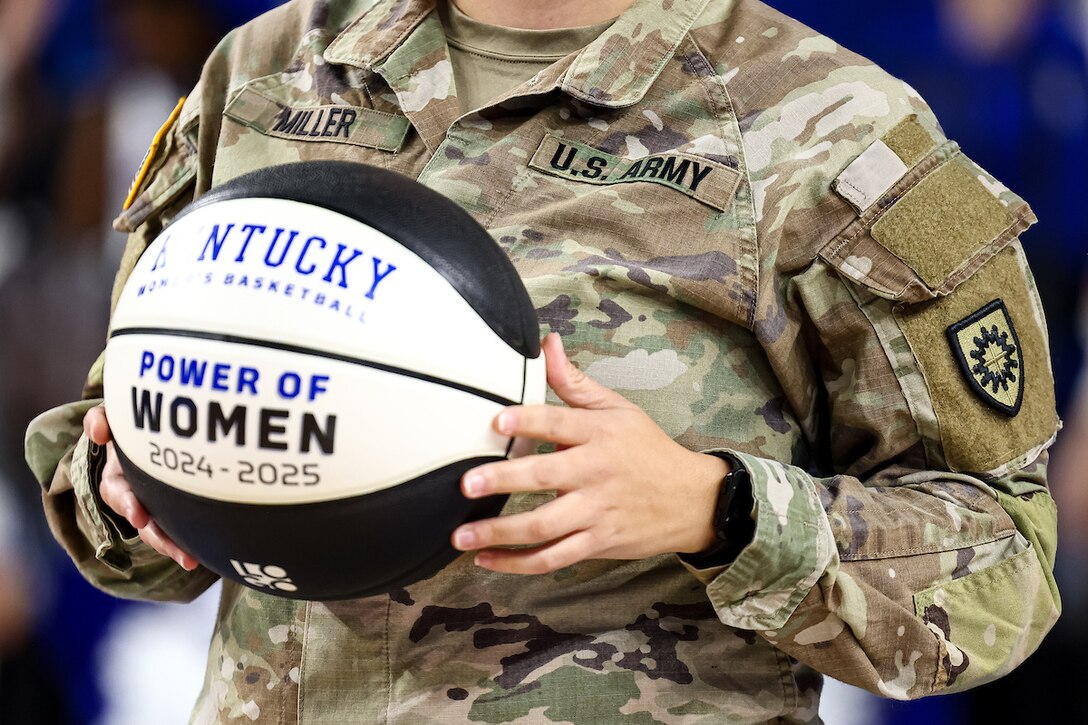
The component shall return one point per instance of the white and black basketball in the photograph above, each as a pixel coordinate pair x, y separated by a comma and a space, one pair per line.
301, 367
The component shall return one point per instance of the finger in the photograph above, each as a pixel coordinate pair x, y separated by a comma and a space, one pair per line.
121, 499
553, 520
117, 494
562, 471
574, 387
565, 426
157, 539
113, 463
96, 426
542, 560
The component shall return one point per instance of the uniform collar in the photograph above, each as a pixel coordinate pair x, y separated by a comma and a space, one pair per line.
370, 39
617, 68
614, 71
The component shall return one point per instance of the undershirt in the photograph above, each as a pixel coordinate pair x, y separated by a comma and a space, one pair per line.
489, 60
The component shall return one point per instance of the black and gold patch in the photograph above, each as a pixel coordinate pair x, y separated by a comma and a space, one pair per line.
987, 352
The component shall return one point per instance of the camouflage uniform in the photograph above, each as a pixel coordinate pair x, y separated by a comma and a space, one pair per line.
752, 233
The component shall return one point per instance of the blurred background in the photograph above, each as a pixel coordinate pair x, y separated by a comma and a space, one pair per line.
84, 85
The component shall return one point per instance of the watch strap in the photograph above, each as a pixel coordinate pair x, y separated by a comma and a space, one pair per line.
733, 525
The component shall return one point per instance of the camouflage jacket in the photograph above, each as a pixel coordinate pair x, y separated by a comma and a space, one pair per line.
759, 237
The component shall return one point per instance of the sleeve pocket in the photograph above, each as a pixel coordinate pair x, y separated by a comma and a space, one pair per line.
981, 643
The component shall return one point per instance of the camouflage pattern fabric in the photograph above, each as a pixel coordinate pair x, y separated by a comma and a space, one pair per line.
682, 230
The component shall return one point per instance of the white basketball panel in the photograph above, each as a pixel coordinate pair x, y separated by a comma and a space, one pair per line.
284, 271
322, 429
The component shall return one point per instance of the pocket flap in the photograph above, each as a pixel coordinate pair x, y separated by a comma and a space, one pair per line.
930, 231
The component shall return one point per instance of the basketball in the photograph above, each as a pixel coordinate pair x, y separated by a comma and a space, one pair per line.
302, 366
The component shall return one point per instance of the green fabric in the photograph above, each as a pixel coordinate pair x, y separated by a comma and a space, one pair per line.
489, 60
941, 222
1035, 515
910, 141
976, 437
1011, 619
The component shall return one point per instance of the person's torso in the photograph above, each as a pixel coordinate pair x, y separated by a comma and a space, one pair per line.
616, 181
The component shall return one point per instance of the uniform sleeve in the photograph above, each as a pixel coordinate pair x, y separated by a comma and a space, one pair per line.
915, 554
105, 549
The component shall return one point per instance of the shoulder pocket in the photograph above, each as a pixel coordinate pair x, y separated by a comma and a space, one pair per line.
169, 169
933, 229
940, 244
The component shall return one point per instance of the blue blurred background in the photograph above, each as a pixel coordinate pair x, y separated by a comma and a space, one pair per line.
84, 84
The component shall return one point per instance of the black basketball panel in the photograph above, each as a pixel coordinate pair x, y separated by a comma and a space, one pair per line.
341, 549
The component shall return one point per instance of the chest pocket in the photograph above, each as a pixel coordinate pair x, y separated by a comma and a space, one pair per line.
668, 225
273, 120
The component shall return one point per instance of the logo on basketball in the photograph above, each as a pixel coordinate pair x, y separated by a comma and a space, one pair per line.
264, 577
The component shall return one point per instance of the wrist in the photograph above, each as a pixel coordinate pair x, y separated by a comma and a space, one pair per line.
709, 473
732, 519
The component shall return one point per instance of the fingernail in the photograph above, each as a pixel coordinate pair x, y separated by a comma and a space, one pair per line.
474, 484
505, 423
464, 539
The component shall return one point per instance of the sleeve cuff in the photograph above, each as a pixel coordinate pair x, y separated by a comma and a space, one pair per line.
792, 548
113, 539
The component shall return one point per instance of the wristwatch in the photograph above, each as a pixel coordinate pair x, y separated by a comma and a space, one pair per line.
734, 527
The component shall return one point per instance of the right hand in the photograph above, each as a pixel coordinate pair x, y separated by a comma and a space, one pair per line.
117, 494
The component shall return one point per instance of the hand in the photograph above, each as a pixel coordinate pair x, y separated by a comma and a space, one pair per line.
118, 495
625, 489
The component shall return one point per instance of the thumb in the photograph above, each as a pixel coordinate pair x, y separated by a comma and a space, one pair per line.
574, 387
96, 426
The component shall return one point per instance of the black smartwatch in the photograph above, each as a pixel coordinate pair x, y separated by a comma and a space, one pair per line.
734, 527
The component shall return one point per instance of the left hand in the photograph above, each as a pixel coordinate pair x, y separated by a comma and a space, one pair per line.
625, 489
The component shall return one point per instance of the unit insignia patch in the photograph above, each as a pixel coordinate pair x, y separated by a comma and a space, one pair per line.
987, 351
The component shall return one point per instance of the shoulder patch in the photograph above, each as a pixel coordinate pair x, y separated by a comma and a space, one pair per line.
987, 352
983, 429
152, 154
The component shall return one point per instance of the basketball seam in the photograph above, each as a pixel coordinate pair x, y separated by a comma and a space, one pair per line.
286, 347
524, 384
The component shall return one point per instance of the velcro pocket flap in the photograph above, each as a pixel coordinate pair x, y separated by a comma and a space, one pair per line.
929, 231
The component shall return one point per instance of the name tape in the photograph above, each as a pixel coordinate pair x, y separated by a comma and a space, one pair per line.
322, 124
